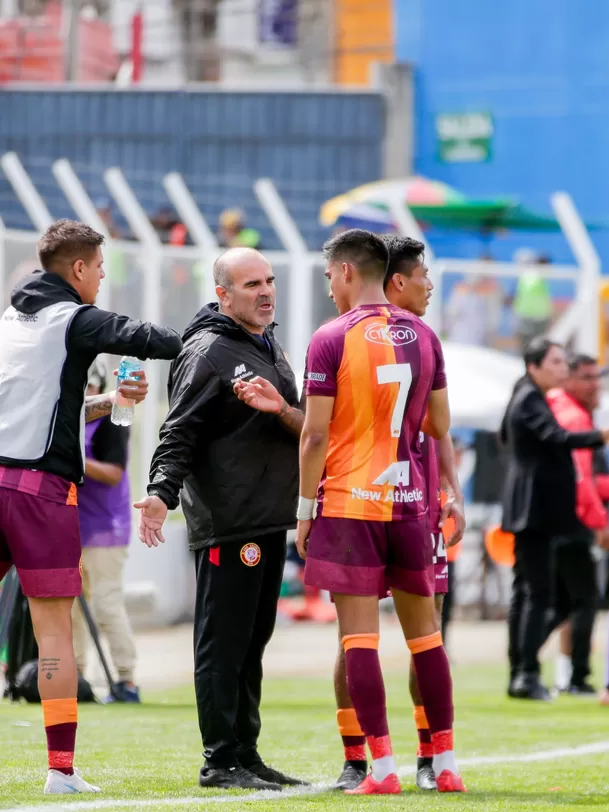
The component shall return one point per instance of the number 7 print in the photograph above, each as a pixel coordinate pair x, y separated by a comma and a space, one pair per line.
402, 374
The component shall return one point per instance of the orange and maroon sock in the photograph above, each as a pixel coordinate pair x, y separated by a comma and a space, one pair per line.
60, 723
425, 748
352, 735
435, 682
367, 691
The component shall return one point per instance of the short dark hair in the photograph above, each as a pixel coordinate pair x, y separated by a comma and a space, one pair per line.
580, 359
65, 242
537, 349
364, 249
404, 255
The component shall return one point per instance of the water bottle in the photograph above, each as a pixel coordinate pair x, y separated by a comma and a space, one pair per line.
123, 409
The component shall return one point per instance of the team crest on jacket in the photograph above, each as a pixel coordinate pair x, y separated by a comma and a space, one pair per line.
250, 554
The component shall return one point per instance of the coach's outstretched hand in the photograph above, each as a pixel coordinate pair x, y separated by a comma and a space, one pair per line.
260, 394
154, 513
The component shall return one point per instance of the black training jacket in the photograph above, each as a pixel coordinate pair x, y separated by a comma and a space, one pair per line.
87, 331
238, 467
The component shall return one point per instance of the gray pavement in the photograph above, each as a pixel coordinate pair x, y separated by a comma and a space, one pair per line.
306, 649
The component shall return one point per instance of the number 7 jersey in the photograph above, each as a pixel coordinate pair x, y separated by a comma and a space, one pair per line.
380, 364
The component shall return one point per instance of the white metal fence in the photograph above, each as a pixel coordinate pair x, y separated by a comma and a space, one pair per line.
168, 284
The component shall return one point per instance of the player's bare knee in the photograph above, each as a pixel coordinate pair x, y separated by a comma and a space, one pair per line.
416, 613
357, 614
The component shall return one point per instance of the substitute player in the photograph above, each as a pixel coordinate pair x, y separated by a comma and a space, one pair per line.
375, 378
49, 337
407, 285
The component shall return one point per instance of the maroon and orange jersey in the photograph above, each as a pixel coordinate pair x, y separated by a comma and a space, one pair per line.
379, 363
431, 472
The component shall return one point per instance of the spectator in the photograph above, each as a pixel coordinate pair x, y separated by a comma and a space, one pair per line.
120, 276
575, 586
234, 233
532, 306
162, 222
104, 209
538, 504
469, 313
105, 524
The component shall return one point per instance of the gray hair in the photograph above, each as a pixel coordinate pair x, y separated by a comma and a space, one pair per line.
222, 276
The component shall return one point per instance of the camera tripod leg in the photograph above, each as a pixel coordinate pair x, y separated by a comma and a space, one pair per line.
95, 635
7, 604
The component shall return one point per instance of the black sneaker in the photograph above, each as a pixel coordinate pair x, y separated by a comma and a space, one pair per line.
233, 778
529, 687
273, 776
426, 778
352, 775
581, 689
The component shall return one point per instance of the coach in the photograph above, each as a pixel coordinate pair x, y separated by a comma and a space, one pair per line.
239, 471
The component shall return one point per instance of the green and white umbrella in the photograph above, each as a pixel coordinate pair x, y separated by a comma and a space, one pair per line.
433, 204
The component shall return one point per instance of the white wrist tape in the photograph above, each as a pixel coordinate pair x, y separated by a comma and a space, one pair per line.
306, 509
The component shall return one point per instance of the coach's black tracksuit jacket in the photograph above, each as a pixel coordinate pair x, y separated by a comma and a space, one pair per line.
238, 466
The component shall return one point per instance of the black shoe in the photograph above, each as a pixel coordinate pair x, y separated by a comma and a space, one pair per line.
352, 775
529, 687
511, 691
273, 776
581, 689
233, 778
426, 778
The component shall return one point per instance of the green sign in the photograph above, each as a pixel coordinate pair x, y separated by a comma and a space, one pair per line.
464, 137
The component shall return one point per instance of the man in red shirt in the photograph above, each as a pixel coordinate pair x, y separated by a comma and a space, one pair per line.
575, 568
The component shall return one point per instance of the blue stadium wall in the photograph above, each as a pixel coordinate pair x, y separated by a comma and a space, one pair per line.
541, 68
313, 145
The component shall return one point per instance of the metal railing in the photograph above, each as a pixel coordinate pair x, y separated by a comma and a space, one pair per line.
168, 284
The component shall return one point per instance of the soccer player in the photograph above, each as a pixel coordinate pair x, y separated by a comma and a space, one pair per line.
407, 285
375, 379
49, 337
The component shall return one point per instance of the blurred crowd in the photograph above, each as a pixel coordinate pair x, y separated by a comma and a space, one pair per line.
485, 311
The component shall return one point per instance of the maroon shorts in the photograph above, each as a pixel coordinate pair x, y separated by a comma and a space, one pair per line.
357, 557
42, 539
440, 562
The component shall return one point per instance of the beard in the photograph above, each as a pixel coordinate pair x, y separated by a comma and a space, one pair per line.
255, 318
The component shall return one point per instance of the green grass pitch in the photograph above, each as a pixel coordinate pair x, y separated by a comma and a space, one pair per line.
148, 757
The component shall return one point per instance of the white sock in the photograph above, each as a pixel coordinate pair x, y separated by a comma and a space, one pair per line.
445, 761
563, 670
382, 767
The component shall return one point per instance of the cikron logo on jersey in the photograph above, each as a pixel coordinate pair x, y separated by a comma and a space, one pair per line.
392, 334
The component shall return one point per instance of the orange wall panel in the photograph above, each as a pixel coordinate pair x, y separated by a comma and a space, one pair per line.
364, 33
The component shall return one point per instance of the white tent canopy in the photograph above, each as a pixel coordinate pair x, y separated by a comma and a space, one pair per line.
480, 383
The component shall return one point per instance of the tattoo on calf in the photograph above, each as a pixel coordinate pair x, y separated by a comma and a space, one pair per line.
48, 666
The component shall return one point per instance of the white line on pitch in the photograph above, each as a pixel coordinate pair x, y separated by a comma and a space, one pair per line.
141, 803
